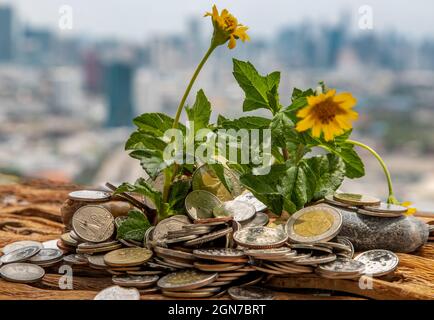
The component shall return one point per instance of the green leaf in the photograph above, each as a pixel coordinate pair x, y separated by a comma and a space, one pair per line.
256, 87
141, 186
178, 191
200, 112
354, 167
151, 161
249, 122
139, 140
155, 123
219, 171
283, 131
329, 171
134, 227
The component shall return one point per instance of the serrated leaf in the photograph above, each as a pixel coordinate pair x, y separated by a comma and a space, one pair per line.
155, 123
177, 193
249, 122
151, 161
139, 140
134, 227
200, 112
255, 86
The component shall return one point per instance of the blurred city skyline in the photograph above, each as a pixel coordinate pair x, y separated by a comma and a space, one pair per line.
140, 20
67, 98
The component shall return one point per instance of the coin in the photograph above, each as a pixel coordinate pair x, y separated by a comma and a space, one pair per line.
341, 267
386, 208
250, 293
314, 224
22, 272
204, 178
220, 254
127, 257
20, 244
181, 239
21, 254
239, 210
46, 255
145, 272
259, 219
118, 293
356, 199
97, 261
212, 222
99, 249
89, 195
188, 294
68, 240
313, 247
379, 214
248, 197
174, 253
75, 259
331, 201
260, 237
93, 223
148, 237
200, 204
50, 244
135, 281
378, 262
163, 227
208, 237
313, 260
217, 267
186, 280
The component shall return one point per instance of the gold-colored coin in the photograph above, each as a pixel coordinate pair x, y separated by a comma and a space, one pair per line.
93, 223
355, 199
313, 223
127, 257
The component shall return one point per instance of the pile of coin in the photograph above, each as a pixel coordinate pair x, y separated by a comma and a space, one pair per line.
365, 204
24, 261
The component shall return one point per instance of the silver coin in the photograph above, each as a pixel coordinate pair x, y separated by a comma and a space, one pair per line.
310, 247
378, 262
379, 214
20, 244
22, 272
147, 239
314, 260
208, 237
386, 208
163, 227
118, 293
20, 255
50, 244
46, 255
200, 204
135, 281
347, 242
75, 259
239, 210
260, 237
342, 266
260, 219
89, 195
220, 252
250, 198
314, 224
250, 293
181, 239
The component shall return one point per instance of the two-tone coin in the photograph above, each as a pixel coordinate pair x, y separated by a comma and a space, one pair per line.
239, 210
22, 272
118, 293
200, 204
260, 237
314, 224
378, 262
356, 199
93, 223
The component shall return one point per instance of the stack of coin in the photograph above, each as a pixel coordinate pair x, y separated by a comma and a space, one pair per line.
341, 268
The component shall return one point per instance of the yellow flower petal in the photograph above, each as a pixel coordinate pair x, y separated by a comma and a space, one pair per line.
345, 100
305, 124
232, 42
304, 112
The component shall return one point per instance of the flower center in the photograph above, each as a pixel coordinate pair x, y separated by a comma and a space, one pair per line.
230, 23
326, 111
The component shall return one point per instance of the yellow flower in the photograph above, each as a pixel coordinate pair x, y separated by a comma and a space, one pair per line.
329, 113
410, 211
226, 27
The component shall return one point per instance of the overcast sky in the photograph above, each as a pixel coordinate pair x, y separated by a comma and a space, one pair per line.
138, 19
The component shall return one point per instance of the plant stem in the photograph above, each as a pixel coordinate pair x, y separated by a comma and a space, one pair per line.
190, 85
382, 163
169, 177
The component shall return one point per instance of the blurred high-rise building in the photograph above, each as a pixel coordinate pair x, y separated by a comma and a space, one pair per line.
7, 43
118, 91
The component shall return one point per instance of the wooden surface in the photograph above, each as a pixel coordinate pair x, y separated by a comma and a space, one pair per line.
30, 211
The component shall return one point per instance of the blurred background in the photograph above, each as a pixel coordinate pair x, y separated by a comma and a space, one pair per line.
74, 73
